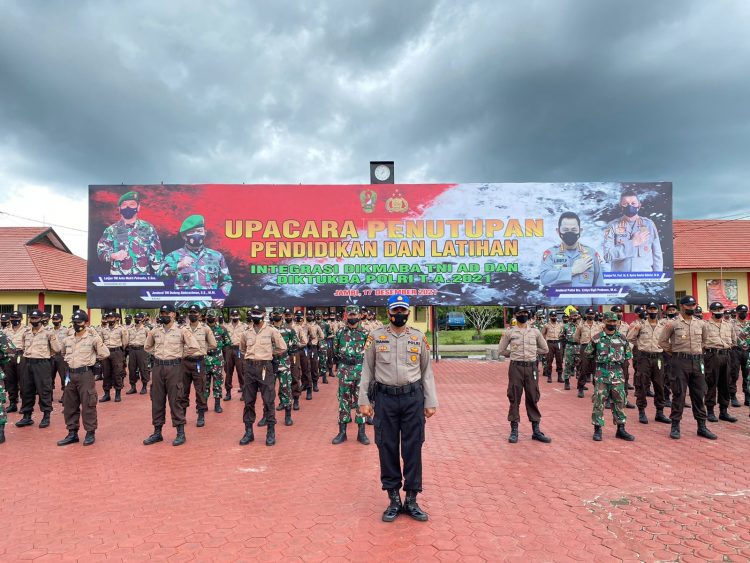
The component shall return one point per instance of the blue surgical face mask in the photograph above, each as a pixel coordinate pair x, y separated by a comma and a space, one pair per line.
630, 211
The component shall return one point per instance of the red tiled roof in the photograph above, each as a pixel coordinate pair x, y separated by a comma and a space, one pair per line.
36, 259
711, 244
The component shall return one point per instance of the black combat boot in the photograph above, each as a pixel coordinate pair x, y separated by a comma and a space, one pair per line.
368, 420
567, 385
628, 404
704, 432
735, 402
412, 508
649, 393
361, 436
118, 397
144, 389
325, 380
559, 379
675, 432
661, 417
271, 434
280, 407
711, 415
201, 422
45, 420
25, 421
106, 397
228, 396
623, 434
642, 418
263, 421
180, 438
71, 438
308, 396
538, 435
315, 387
341, 436
217, 405
155, 437
249, 436
295, 404
132, 390
580, 393
747, 401
288, 417
2, 433
13, 407
597, 433
513, 437
725, 416
394, 507
90, 438
549, 378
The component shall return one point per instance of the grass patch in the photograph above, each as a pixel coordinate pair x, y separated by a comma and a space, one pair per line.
464, 336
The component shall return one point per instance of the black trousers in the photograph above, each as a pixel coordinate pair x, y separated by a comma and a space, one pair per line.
59, 367
738, 366
114, 371
14, 371
259, 377
399, 428
555, 353
138, 366
717, 379
522, 380
232, 363
37, 380
667, 359
650, 371
687, 374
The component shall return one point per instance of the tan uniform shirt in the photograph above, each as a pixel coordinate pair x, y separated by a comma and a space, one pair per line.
171, 343
137, 335
585, 331
524, 343
314, 334
301, 331
552, 331
16, 336
62, 334
204, 336
40, 344
718, 335
115, 337
683, 336
645, 336
85, 350
262, 344
235, 331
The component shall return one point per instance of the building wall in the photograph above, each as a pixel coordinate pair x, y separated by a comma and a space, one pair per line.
684, 282
66, 301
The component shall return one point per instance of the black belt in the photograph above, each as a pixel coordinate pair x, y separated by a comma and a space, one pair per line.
523, 364
214, 352
553, 341
402, 390
84, 369
651, 354
19, 352
194, 358
235, 346
721, 351
685, 356
159, 362
350, 362
37, 360
136, 347
258, 362
609, 365
113, 348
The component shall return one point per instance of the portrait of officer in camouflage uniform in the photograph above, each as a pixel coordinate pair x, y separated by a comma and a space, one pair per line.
215, 359
570, 263
7, 353
631, 242
609, 350
131, 246
348, 353
196, 267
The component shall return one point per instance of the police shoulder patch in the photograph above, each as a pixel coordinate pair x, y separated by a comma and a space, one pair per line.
368, 342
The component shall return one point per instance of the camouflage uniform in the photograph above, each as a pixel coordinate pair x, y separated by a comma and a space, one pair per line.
571, 358
141, 242
208, 270
348, 353
283, 370
323, 348
743, 340
215, 361
538, 324
609, 352
7, 351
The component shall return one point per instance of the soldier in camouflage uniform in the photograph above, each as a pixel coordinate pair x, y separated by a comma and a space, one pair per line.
609, 350
348, 353
196, 267
215, 359
131, 246
539, 322
323, 345
7, 353
283, 365
571, 354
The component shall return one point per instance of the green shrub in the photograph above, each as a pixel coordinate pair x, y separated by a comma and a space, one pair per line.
492, 338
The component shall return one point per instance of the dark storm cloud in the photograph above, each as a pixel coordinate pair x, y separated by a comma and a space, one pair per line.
285, 91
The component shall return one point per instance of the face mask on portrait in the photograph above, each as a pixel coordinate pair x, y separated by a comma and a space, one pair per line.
128, 212
196, 240
35, 322
235, 320
289, 320
630, 211
570, 237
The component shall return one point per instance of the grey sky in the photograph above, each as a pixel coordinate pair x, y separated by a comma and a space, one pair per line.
287, 91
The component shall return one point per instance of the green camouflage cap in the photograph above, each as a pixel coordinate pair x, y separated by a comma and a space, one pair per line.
352, 308
278, 310
192, 222
130, 196
610, 316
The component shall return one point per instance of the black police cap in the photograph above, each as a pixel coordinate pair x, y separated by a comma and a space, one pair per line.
35, 313
4, 317
616, 309
167, 308
128, 316
521, 309
57, 316
715, 306
741, 308
139, 315
687, 300
698, 309
16, 313
80, 316
256, 309
652, 305
671, 306
194, 307
234, 312
287, 311
590, 311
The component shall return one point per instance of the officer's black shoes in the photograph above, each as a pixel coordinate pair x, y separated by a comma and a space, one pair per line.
368, 420
735, 403
106, 397
675, 432
649, 393
412, 508
630, 387
315, 387
642, 418
263, 421
668, 403
623, 434
549, 379
131, 391
2, 433
180, 438
308, 396
747, 401
201, 422
723, 415
325, 380
25, 421
580, 393
361, 436
295, 405
629, 405
217, 405
118, 397
704, 432
45, 421
341, 436
513, 437
559, 379
144, 390
567, 385
395, 506
288, 417
280, 407
538, 435
271, 434
585, 388
155, 437
660, 417
71, 438
60, 399
12, 408
98, 378
90, 438
711, 415
248, 437
597, 433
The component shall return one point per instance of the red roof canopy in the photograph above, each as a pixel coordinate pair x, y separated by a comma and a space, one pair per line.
711, 244
36, 259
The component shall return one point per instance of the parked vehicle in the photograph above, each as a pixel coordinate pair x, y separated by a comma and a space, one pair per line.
454, 320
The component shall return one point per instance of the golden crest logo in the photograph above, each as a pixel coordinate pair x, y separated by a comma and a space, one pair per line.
396, 204
368, 198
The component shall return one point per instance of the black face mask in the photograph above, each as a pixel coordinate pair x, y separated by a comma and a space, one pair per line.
45, 323
235, 320
289, 320
138, 321
35, 323
56, 323
211, 320
15, 322
193, 318
399, 319
630, 211
256, 320
521, 319
165, 320
553, 319
196, 240
111, 323
742, 316
641, 316
690, 312
610, 327
310, 319
129, 322
589, 317
619, 316
570, 238
276, 318
653, 315
718, 316
671, 315
352, 321
78, 327
128, 212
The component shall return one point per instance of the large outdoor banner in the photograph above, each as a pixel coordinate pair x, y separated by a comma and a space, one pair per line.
442, 244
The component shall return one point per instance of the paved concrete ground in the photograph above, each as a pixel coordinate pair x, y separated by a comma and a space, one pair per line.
304, 499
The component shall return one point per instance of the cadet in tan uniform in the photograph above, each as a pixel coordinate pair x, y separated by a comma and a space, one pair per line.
304, 355
552, 333
587, 329
137, 358
716, 350
194, 367
58, 362
115, 337
168, 343
258, 345
397, 362
522, 343
81, 351
232, 357
16, 368
683, 338
39, 345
